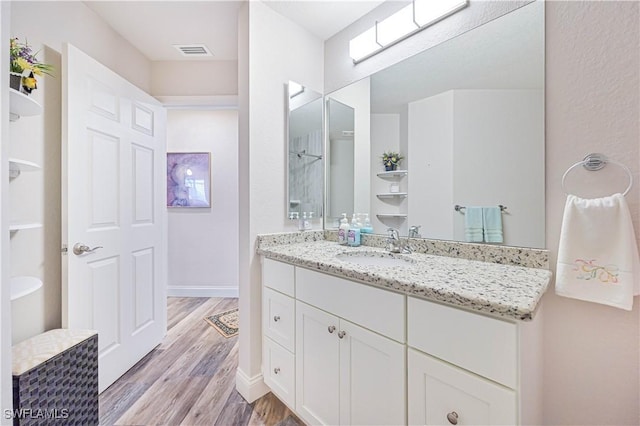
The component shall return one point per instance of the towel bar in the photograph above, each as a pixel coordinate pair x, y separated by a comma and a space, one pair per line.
459, 208
594, 162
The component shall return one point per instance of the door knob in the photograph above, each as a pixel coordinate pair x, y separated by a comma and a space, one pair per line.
80, 248
453, 418
341, 334
332, 328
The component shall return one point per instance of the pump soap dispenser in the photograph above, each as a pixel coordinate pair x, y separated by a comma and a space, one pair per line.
343, 229
353, 236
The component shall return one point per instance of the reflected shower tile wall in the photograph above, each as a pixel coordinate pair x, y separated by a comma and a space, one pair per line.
309, 170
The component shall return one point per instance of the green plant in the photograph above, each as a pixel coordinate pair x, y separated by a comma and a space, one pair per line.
391, 158
25, 62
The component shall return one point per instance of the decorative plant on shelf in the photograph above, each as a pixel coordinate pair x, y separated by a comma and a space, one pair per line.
25, 66
391, 160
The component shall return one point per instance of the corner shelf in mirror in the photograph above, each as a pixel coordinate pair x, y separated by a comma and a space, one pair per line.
16, 226
22, 105
22, 286
17, 166
392, 216
393, 174
393, 195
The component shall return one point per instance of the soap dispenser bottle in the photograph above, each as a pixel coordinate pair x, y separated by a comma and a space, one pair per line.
353, 236
302, 219
343, 229
366, 226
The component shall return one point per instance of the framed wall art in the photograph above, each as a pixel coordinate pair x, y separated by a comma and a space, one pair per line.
189, 179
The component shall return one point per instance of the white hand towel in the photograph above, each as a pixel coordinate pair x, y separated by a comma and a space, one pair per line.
598, 256
473, 224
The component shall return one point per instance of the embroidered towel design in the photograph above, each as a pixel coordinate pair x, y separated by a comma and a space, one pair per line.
598, 256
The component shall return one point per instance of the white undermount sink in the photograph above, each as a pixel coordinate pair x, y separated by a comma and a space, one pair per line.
375, 258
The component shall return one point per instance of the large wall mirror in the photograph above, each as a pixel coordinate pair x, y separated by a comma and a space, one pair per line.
305, 170
467, 115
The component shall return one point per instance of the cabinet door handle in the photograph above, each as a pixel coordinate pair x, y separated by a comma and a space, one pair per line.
342, 334
332, 328
276, 370
276, 318
453, 418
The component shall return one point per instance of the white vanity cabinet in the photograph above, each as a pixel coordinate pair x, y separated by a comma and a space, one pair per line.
278, 329
340, 352
346, 374
466, 368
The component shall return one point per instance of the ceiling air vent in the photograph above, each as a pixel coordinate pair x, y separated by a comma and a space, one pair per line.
193, 50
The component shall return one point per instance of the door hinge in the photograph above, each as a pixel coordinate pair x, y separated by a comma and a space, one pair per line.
64, 249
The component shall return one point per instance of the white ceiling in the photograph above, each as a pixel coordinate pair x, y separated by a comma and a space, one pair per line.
154, 26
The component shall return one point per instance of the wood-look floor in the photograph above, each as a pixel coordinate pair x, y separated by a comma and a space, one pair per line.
189, 379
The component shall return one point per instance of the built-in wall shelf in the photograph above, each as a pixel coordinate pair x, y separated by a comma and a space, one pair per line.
22, 286
392, 216
17, 166
23, 226
21, 105
393, 174
392, 195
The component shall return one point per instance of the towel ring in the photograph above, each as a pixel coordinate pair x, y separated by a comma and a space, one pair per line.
594, 162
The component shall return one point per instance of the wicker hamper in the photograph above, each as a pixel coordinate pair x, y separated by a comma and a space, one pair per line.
55, 379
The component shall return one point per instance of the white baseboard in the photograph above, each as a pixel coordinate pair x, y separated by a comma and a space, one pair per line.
250, 388
195, 291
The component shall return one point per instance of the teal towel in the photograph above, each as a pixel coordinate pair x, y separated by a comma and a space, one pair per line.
492, 223
473, 227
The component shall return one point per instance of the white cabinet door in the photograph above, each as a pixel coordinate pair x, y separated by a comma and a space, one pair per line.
372, 378
317, 365
441, 394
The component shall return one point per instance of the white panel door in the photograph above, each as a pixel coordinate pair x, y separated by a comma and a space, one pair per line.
113, 165
317, 366
441, 394
372, 378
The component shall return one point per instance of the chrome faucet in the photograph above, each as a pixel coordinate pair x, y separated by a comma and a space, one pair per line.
393, 241
414, 231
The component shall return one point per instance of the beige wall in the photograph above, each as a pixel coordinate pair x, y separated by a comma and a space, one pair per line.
591, 373
203, 242
194, 78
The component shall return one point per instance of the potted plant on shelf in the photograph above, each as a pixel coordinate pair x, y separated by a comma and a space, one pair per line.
391, 160
24, 67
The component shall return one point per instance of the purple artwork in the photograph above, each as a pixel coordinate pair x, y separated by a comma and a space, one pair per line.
188, 179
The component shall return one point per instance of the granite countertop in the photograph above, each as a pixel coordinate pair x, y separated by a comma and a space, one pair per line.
503, 290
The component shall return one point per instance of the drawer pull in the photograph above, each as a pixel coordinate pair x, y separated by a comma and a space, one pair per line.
332, 328
342, 334
453, 418
276, 318
276, 370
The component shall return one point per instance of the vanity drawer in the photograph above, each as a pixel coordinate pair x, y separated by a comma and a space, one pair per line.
484, 345
278, 276
440, 394
278, 318
373, 308
278, 370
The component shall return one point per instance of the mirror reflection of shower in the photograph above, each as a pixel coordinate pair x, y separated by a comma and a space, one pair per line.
305, 153
341, 194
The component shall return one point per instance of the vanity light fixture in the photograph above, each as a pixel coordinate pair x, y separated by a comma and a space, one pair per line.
403, 24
